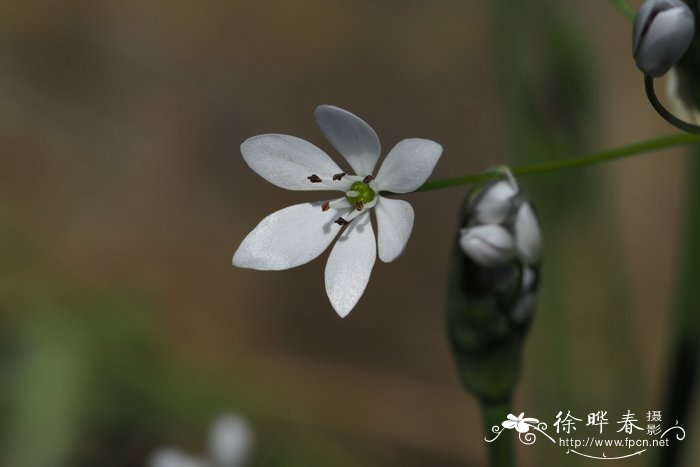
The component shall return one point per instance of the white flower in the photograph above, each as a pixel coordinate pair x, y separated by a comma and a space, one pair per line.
230, 445
297, 234
230, 441
522, 425
174, 457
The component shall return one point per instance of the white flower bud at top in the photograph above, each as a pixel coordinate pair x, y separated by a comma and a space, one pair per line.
230, 442
528, 237
488, 245
662, 32
495, 203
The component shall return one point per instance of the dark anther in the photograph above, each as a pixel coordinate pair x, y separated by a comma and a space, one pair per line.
314, 179
359, 205
325, 206
341, 221
339, 176
367, 179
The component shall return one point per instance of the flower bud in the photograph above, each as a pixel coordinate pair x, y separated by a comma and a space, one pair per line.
662, 32
494, 277
495, 203
524, 305
488, 245
528, 237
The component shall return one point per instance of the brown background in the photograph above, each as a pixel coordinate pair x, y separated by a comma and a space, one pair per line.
120, 168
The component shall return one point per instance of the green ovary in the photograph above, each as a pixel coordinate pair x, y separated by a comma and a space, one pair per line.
364, 193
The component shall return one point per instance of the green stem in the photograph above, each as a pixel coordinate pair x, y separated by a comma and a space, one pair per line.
624, 8
684, 359
570, 163
501, 450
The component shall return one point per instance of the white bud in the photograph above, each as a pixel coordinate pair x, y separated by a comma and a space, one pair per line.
528, 237
173, 457
523, 308
493, 205
662, 32
230, 442
527, 279
488, 245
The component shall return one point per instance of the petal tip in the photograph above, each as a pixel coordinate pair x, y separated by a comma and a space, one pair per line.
342, 312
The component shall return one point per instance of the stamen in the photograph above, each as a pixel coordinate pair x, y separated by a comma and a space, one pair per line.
359, 205
367, 179
314, 178
353, 214
340, 204
339, 176
352, 194
341, 221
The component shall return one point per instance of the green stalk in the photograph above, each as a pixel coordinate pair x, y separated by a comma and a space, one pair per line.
664, 142
624, 8
682, 381
501, 453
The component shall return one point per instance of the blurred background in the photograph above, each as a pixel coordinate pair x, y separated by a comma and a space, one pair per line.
123, 195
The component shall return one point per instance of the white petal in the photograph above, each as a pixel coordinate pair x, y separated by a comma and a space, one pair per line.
408, 165
509, 424
354, 139
288, 161
488, 245
173, 457
528, 238
230, 441
394, 225
287, 238
495, 203
350, 265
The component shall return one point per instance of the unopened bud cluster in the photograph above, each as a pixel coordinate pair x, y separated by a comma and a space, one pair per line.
662, 32
494, 276
503, 227
503, 243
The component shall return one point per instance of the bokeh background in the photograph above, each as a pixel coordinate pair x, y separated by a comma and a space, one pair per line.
123, 195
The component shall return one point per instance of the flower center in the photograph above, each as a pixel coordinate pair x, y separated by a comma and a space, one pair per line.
359, 192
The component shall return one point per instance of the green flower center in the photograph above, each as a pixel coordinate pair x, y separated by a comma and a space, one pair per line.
359, 192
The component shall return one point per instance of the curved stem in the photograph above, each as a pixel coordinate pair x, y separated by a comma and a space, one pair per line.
624, 8
567, 163
661, 110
